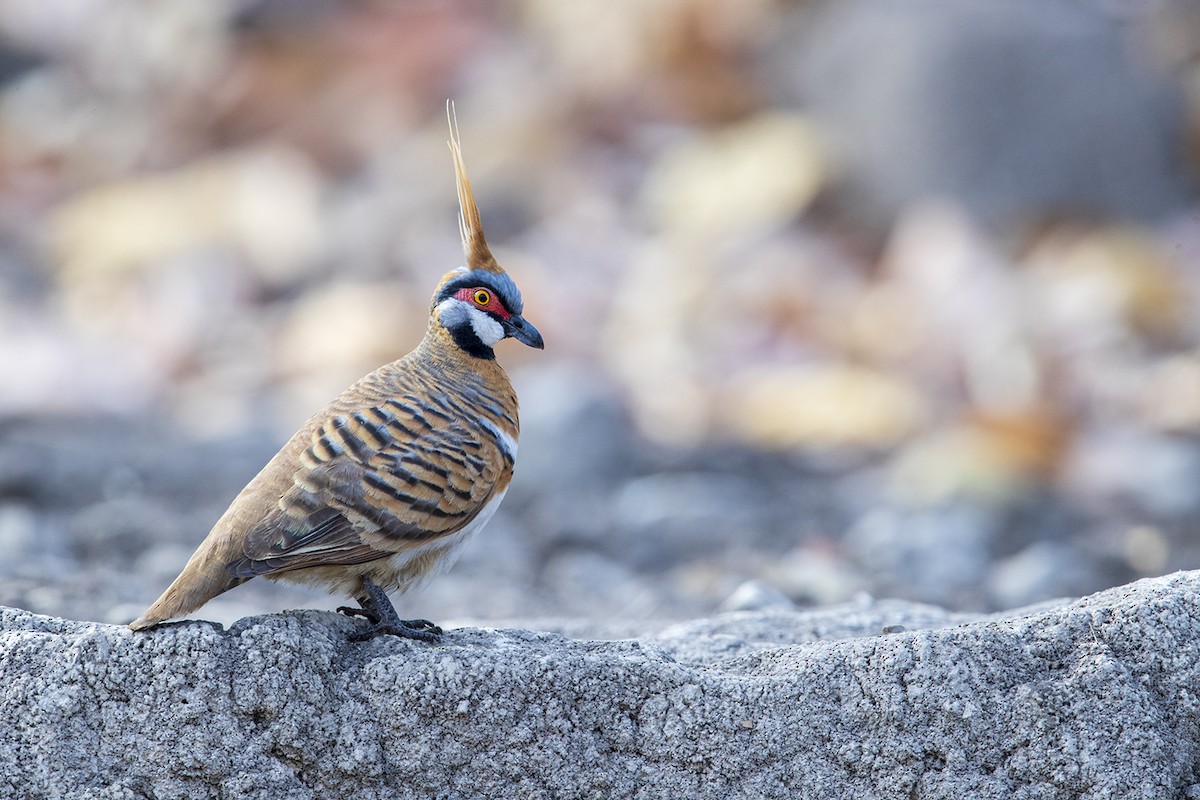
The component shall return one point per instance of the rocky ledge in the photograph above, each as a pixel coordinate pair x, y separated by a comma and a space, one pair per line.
1096, 698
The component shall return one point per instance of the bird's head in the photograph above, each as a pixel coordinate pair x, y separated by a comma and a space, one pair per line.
480, 308
478, 303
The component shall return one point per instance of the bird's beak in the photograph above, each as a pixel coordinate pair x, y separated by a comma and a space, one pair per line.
523, 332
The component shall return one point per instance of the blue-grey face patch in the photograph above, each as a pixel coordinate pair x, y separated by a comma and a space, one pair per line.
498, 282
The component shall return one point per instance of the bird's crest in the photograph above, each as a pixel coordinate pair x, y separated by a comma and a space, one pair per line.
469, 225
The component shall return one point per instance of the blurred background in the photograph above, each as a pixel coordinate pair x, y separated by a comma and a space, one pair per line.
888, 296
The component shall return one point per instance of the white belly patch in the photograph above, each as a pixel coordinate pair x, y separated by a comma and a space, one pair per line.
452, 545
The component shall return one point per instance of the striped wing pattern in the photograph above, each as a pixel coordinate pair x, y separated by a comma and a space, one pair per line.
375, 480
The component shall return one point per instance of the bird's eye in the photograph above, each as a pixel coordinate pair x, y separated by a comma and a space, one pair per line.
482, 297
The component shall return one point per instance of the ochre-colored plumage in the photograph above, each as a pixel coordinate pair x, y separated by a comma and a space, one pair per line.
470, 227
379, 490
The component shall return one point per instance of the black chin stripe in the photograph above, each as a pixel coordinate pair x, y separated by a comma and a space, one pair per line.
464, 336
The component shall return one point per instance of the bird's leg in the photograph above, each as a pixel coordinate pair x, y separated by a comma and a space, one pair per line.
383, 617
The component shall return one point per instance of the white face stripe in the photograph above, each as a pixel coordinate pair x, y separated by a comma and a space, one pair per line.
454, 312
507, 442
486, 328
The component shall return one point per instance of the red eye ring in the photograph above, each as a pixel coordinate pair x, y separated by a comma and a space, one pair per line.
484, 300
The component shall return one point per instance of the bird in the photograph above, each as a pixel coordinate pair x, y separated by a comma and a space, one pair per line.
380, 490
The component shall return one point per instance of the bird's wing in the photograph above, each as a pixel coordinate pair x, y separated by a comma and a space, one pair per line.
374, 482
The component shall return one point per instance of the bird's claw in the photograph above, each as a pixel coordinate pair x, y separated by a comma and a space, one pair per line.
403, 628
421, 624
358, 612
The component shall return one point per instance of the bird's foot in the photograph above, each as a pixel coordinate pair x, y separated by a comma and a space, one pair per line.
378, 610
420, 629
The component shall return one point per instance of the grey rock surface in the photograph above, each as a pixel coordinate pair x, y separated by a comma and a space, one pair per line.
1091, 699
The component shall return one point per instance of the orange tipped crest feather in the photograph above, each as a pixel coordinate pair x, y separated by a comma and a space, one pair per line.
470, 227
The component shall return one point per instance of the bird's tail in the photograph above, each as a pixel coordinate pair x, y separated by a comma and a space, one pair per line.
202, 579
